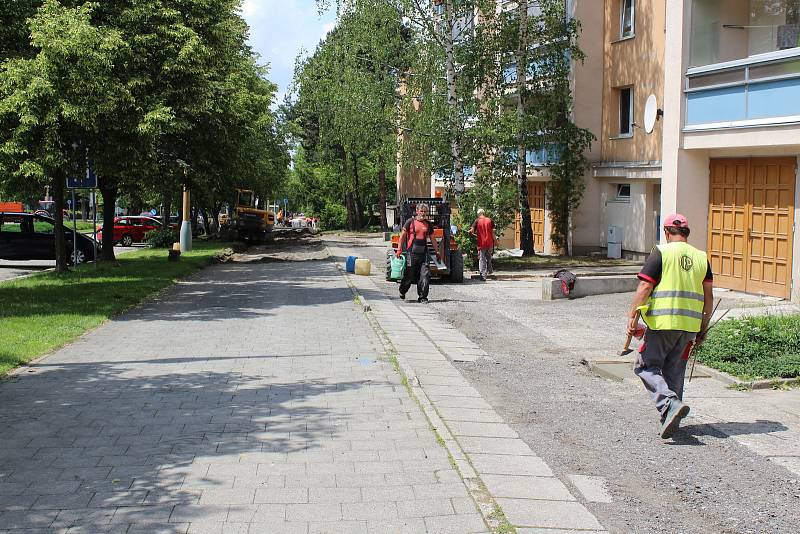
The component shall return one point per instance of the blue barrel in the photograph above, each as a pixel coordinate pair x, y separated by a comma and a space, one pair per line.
350, 264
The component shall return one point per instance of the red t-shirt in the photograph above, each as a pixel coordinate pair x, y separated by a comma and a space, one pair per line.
484, 228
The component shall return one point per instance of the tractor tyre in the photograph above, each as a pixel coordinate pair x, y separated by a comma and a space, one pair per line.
456, 267
389, 266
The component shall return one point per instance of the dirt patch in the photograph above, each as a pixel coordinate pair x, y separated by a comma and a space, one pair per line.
285, 247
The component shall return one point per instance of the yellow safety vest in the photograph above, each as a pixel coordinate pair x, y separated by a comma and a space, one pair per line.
677, 301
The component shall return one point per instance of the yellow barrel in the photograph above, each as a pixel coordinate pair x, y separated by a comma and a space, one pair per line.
363, 266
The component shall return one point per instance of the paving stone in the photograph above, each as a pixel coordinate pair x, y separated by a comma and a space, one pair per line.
425, 507
338, 527
548, 514
369, 510
503, 464
494, 430
592, 488
488, 445
320, 512
457, 524
526, 487
281, 495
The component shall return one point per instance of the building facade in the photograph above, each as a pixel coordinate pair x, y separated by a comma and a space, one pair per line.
732, 136
628, 175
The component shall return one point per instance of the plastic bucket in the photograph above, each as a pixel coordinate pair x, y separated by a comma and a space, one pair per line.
398, 267
350, 264
363, 267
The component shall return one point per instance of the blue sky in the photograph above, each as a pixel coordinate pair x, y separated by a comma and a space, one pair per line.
280, 29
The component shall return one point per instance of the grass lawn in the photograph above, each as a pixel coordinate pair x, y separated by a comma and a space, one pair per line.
556, 262
755, 348
43, 312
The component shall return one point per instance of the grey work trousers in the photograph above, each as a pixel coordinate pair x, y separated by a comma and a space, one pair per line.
417, 272
661, 367
485, 262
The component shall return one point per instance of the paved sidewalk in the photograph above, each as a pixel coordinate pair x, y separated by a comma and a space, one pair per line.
249, 398
499, 467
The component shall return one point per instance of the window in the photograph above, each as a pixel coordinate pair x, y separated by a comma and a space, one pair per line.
42, 226
626, 112
623, 192
727, 30
626, 19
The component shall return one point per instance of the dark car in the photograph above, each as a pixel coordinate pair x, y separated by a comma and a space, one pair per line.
30, 236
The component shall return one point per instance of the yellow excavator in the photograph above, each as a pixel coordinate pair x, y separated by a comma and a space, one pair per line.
248, 222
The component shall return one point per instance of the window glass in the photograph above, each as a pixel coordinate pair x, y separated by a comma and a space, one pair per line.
623, 191
626, 20
717, 78
42, 226
726, 30
11, 224
122, 222
136, 222
625, 111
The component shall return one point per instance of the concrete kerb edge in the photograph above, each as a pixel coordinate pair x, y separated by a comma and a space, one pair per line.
491, 512
596, 367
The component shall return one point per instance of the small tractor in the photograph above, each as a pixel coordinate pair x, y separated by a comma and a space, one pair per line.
248, 222
452, 265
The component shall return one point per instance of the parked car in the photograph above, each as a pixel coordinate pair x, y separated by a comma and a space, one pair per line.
30, 236
131, 229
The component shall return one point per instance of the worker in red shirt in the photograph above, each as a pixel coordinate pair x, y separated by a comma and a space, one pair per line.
483, 228
417, 232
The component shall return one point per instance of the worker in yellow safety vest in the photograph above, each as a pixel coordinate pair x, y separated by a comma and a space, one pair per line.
675, 299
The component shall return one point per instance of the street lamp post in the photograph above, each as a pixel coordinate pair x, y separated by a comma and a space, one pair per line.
186, 225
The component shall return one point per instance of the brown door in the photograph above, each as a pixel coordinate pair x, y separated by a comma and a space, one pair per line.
536, 205
751, 217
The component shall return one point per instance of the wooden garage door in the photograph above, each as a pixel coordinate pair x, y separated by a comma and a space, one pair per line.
751, 216
536, 192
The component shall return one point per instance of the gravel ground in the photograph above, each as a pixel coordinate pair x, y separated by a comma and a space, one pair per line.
700, 482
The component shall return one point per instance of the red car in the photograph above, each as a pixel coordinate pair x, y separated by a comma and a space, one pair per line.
131, 229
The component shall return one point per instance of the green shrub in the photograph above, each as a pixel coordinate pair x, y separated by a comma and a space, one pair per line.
755, 348
161, 238
333, 217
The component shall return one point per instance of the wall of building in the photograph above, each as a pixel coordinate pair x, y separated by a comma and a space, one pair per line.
636, 62
588, 98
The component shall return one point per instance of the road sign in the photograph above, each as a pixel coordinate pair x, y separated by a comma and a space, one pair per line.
89, 181
153, 212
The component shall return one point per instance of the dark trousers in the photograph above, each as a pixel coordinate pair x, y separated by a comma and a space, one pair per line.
661, 366
417, 272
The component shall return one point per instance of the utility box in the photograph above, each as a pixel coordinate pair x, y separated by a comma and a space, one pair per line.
615, 238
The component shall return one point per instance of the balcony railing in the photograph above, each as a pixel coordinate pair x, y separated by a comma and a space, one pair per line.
755, 91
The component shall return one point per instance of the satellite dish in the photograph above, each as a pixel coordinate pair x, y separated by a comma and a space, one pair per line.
650, 113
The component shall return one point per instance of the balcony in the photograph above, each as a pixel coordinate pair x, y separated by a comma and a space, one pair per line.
755, 91
745, 64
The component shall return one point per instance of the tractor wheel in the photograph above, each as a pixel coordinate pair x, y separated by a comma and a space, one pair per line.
456, 267
389, 266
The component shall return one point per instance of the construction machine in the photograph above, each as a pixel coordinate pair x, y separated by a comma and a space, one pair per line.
248, 222
452, 265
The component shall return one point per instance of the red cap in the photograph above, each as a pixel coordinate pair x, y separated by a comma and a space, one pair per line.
676, 220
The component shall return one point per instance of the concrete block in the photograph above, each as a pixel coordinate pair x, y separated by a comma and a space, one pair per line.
548, 514
590, 285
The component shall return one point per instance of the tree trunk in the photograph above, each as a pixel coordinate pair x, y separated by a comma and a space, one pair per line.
167, 209
358, 205
350, 211
108, 189
452, 99
526, 230
382, 195
60, 242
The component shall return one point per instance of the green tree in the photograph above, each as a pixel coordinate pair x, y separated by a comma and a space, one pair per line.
54, 100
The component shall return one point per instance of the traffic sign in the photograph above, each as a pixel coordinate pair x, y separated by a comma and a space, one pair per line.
154, 212
89, 181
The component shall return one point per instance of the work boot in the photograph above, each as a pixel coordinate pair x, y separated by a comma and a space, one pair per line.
422, 300
402, 296
672, 419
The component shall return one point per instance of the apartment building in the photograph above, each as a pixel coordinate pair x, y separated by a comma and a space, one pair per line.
732, 136
628, 175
